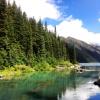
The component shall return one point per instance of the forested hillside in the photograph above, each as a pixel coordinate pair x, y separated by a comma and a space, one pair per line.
23, 40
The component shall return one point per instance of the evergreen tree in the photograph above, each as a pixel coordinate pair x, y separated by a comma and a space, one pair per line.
10, 24
2, 20
34, 35
55, 31
29, 46
22, 38
3, 35
26, 39
46, 29
41, 41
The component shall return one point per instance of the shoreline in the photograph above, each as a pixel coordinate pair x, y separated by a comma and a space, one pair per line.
21, 70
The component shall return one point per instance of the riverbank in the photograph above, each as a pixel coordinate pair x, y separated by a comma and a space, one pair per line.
18, 71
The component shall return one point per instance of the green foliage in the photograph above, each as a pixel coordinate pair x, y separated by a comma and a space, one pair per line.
52, 61
65, 63
19, 70
16, 54
3, 35
43, 66
3, 60
25, 41
23, 68
15, 71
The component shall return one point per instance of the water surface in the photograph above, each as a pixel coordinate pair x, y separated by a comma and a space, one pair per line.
51, 86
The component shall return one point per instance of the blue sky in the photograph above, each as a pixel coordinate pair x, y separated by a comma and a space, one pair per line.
86, 10
76, 18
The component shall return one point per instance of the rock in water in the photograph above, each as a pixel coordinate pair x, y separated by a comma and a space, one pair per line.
97, 82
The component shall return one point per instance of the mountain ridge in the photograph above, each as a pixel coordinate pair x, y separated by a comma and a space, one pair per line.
84, 52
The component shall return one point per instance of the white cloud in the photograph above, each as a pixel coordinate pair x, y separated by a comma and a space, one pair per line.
74, 28
68, 27
51, 28
99, 19
39, 8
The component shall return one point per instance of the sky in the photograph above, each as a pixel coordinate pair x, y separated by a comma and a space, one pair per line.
79, 19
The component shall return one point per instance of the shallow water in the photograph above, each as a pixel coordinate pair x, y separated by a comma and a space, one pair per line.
51, 86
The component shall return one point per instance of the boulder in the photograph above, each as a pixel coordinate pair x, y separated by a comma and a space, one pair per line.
97, 82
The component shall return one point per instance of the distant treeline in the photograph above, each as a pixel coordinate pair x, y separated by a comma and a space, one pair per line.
23, 40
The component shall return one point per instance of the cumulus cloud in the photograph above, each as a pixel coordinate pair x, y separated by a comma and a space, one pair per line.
74, 28
67, 27
38, 8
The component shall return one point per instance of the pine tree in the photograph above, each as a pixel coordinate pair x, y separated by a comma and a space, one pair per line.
46, 29
22, 37
15, 54
41, 41
34, 35
29, 46
26, 39
10, 24
3, 35
55, 31
2, 17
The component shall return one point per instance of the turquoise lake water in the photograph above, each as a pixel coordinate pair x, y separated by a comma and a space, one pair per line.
51, 86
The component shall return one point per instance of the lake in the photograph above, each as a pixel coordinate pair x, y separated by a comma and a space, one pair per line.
51, 86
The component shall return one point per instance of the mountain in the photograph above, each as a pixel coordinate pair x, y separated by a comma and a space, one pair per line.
96, 46
82, 52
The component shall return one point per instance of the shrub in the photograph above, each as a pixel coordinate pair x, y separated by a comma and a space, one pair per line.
52, 61
23, 68
43, 66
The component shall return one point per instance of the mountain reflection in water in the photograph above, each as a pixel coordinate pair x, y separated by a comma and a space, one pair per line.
87, 91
